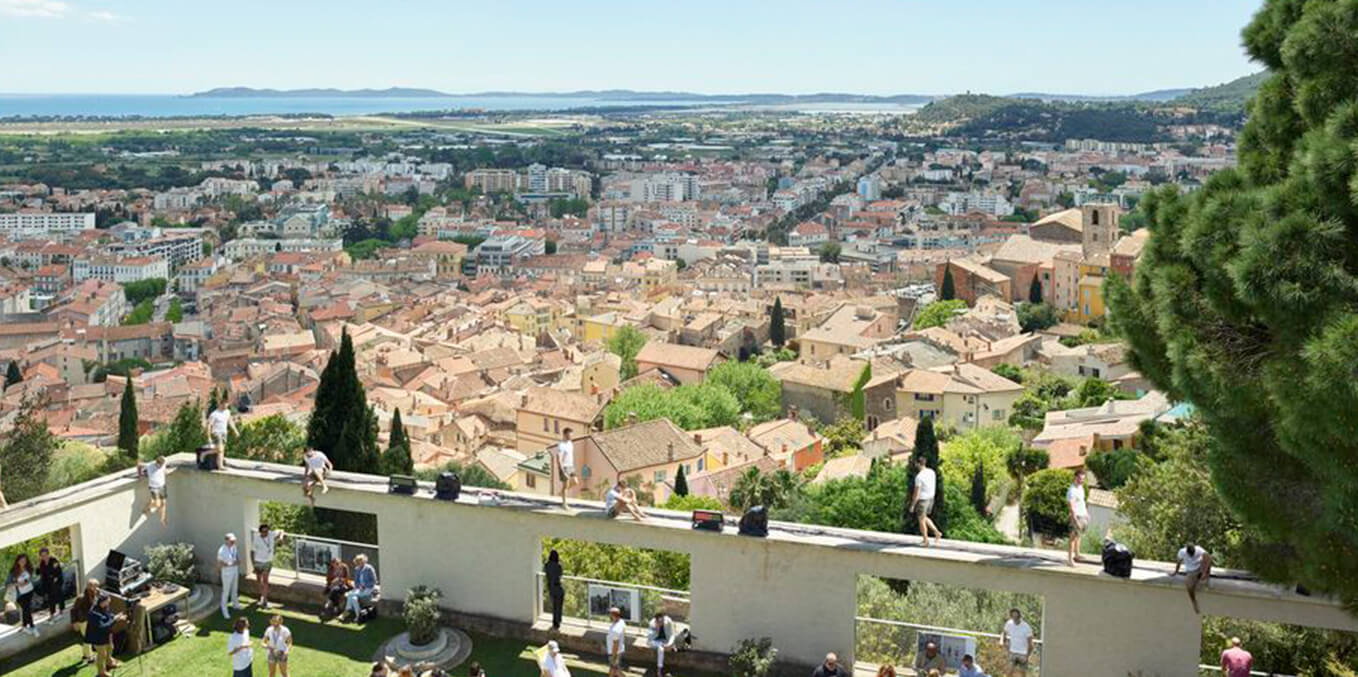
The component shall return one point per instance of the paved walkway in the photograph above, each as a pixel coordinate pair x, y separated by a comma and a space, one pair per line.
1008, 522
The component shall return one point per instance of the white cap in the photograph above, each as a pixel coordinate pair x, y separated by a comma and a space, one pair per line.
230, 536
552, 646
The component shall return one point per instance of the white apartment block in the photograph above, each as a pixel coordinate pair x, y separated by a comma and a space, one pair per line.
30, 224
958, 204
120, 270
492, 180
177, 199
179, 250
248, 247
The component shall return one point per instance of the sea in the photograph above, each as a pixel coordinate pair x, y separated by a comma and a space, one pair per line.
168, 105
172, 106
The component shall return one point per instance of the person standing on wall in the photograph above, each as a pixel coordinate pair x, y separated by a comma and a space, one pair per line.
922, 500
262, 546
99, 634
240, 650
228, 564
552, 572
616, 643
1197, 565
24, 582
1017, 638
219, 423
80, 615
565, 464
1079, 515
155, 486
50, 583
278, 642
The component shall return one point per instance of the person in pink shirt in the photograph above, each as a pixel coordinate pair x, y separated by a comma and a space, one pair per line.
1235, 661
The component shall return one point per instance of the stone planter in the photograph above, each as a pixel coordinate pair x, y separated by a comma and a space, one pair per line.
448, 650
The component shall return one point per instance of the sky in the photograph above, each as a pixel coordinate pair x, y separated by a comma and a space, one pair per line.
708, 46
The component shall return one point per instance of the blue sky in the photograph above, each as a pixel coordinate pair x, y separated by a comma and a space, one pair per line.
713, 46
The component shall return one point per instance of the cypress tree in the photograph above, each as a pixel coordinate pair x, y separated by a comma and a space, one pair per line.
978, 488
396, 460
949, 291
1035, 291
1245, 303
12, 374
680, 482
127, 422
777, 324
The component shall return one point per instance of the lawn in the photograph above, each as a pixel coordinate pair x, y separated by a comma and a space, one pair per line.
329, 650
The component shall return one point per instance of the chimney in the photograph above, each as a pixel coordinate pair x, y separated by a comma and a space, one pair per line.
669, 449
784, 451
698, 439
598, 396
725, 458
593, 387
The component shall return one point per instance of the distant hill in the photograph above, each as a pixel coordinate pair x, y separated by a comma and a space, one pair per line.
1227, 97
982, 116
250, 92
1154, 96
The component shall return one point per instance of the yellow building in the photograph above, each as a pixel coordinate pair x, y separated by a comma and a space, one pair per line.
600, 328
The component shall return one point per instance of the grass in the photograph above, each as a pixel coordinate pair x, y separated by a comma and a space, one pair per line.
320, 650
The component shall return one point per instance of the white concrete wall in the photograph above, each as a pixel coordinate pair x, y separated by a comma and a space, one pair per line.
796, 587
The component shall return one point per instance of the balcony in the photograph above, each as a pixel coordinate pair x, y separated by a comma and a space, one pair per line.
797, 586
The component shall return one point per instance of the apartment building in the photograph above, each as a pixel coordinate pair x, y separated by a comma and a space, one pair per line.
30, 224
120, 270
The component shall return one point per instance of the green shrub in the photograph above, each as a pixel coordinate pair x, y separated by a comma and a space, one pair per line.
421, 614
753, 657
687, 503
1113, 468
172, 562
1044, 502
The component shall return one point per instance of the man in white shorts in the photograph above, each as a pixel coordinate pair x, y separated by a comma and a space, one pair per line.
1079, 515
318, 467
219, 423
565, 464
155, 485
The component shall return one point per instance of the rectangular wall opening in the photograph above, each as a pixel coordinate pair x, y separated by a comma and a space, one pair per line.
59, 545
896, 618
314, 537
1278, 648
596, 576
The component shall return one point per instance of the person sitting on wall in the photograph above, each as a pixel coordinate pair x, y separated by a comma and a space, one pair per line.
337, 585
661, 637
365, 586
619, 498
318, 467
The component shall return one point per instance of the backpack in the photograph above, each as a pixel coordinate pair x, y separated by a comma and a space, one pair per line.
1117, 560
755, 522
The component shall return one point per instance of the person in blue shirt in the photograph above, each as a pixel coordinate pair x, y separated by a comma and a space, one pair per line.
365, 585
99, 633
969, 668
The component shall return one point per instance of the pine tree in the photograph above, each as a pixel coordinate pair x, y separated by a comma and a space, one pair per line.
26, 452
1035, 291
681, 482
12, 374
777, 324
949, 291
1245, 302
127, 422
396, 460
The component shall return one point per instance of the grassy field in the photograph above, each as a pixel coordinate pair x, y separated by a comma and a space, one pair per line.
320, 650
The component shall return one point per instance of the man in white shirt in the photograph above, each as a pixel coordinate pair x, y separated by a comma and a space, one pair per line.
318, 467
553, 664
155, 486
239, 648
1017, 638
1079, 515
619, 498
262, 545
616, 643
922, 500
564, 454
278, 642
228, 563
1197, 565
219, 423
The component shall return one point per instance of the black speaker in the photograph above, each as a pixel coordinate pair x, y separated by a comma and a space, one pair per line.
448, 486
755, 522
708, 520
207, 457
402, 484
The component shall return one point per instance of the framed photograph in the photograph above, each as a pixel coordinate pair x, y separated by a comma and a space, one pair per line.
604, 597
951, 647
314, 556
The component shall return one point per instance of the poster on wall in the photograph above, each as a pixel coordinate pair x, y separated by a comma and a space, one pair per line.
604, 597
951, 647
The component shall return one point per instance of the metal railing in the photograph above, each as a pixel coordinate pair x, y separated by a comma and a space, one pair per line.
1215, 670
898, 643
589, 599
